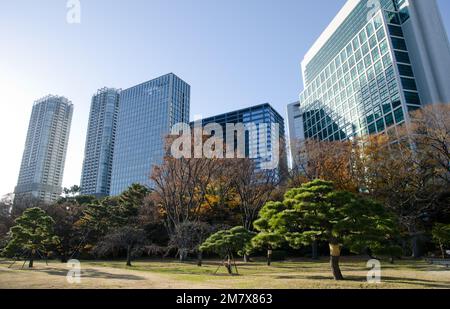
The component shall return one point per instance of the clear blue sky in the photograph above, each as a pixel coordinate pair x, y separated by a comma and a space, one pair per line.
233, 53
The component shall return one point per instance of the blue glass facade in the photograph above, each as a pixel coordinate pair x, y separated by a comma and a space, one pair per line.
361, 81
259, 114
147, 113
100, 139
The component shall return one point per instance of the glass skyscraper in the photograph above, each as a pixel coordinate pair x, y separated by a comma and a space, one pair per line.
258, 114
42, 168
100, 139
147, 113
372, 66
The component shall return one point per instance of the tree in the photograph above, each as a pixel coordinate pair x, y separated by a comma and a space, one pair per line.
70, 235
102, 220
331, 161
23, 202
72, 191
267, 236
429, 131
32, 234
405, 180
441, 234
151, 220
126, 238
6, 222
130, 201
188, 237
253, 188
316, 211
181, 188
97, 218
227, 242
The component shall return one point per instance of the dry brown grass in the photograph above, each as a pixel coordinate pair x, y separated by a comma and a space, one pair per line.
298, 274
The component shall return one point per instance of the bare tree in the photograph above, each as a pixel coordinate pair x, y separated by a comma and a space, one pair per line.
181, 186
188, 237
331, 161
126, 238
253, 188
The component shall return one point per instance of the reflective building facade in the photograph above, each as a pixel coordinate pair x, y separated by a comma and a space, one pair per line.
42, 168
372, 66
258, 145
100, 139
147, 113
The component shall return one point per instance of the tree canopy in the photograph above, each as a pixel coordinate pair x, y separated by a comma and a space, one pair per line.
31, 234
316, 211
227, 242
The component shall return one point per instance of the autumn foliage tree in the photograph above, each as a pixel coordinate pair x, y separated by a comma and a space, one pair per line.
331, 161
409, 171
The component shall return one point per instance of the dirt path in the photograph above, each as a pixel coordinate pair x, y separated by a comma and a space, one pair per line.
54, 277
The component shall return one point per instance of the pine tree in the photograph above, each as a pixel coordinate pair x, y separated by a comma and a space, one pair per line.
32, 234
268, 236
227, 242
441, 234
316, 211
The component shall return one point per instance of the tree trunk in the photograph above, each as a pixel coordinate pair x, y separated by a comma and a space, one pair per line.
199, 258
369, 253
246, 258
30, 264
415, 246
442, 250
129, 255
335, 253
269, 256
183, 255
315, 253
228, 265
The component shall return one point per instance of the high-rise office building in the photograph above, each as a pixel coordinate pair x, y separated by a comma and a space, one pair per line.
42, 168
258, 146
295, 127
372, 66
147, 113
100, 138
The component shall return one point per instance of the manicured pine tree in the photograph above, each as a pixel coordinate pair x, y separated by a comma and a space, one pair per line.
441, 234
316, 211
268, 237
31, 234
227, 242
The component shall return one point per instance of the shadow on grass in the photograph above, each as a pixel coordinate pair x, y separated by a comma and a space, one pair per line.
86, 273
387, 279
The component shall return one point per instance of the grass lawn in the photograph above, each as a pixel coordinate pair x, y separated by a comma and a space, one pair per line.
293, 274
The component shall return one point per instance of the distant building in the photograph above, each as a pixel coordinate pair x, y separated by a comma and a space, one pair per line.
372, 66
147, 113
295, 126
258, 114
42, 168
100, 139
